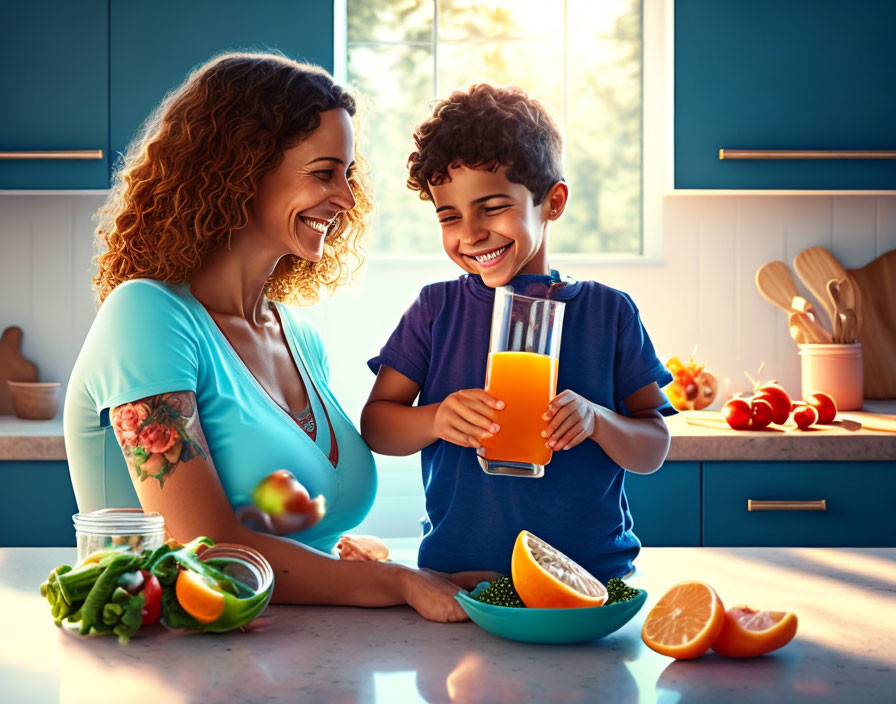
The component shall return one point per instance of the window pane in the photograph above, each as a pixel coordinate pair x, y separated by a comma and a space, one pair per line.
390, 20
603, 130
394, 83
498, 20
520, 62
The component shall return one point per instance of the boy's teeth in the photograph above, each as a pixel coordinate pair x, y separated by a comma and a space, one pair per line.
316, 224
491, 255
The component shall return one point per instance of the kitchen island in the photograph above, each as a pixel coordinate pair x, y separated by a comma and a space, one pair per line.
844, 651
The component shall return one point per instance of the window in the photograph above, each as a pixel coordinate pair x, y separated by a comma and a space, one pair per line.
582, 59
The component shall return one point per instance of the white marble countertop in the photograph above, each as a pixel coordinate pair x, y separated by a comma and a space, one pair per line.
845, 600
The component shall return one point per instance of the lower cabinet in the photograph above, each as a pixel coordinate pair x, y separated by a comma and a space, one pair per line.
857, 510
665, 505
36, 505
765, 504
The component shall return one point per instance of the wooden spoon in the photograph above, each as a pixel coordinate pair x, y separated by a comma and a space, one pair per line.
811, 329
839, 316
815, 267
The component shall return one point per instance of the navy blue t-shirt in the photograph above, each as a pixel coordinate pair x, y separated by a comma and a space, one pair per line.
579, 505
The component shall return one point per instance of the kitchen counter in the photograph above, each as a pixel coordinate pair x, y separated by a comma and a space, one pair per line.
844, 598
696, 435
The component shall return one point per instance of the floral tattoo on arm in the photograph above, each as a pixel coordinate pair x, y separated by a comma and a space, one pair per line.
159, 432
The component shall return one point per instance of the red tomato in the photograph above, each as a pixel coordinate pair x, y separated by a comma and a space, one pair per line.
152, 592
779, 399
761, 413
824, 404
804, 416
737, 412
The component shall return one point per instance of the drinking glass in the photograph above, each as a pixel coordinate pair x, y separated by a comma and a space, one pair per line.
524, 350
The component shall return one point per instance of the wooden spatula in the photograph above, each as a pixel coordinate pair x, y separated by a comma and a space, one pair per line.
815, 267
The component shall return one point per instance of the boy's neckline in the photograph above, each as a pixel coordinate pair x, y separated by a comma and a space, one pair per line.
564, 287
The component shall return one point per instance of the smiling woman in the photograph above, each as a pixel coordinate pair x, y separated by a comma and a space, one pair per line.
241, 196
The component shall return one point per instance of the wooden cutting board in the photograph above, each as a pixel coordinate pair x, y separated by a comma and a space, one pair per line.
877, 329
13, 366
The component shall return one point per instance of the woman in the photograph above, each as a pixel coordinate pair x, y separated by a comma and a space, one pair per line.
196, 380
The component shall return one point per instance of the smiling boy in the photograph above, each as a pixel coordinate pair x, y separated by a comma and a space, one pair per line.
490, 160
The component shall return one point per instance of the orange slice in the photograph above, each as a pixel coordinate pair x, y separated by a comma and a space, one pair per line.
201, 601
545, 578
685, 622
747, 632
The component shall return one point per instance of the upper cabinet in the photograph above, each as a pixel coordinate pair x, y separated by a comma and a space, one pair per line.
54, 120
794, 75
154, 44
79, 78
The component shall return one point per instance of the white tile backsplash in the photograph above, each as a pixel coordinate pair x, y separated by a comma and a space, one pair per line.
703, 293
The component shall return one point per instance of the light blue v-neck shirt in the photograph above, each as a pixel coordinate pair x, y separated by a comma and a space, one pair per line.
151, 337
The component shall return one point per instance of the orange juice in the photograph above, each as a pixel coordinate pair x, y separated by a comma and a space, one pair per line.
526, 382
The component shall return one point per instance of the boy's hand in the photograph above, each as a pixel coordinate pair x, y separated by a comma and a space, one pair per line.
571, 419
466, 417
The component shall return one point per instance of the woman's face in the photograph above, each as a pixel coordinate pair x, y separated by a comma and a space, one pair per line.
298, 203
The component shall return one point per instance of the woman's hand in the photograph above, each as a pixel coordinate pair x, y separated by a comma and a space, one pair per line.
362, 547
466, 417
431, 594
571, 417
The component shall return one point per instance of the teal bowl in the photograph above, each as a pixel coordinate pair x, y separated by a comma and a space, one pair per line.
549, 625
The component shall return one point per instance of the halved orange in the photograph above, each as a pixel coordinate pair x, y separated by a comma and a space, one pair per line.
747, 632
685, 622
199, 599
545, 578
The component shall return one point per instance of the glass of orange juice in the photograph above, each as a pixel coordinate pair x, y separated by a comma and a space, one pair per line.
522, 372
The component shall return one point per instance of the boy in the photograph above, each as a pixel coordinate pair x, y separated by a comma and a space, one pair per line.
489, 159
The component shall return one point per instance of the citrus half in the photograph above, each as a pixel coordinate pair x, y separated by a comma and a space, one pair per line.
685, 622
545, 578
747, 632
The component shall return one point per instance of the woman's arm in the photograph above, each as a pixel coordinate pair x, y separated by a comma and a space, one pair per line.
173, 473
392, 425
639, 443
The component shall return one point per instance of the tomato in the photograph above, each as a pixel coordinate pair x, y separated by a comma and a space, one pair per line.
152, 592
824, 404
804, 416
779, 399
737, 412
761, 413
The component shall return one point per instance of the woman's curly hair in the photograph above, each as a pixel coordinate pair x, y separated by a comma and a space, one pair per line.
187, 179
487, 127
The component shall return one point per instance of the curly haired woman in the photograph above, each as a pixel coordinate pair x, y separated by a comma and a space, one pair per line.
198, 380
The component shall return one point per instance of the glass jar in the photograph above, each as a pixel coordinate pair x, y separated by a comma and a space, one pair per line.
112, 527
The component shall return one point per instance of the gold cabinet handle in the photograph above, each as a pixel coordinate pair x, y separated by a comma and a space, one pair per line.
82, 154
805, 154
816, 505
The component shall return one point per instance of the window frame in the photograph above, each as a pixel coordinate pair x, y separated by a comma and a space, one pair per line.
657, 169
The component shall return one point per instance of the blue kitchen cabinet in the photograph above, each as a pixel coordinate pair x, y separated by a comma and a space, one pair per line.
154, 44
665, 505
36, 505
859, 498
54, 91
794, 75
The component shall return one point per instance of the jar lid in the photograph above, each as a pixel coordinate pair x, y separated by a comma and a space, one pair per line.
119, 521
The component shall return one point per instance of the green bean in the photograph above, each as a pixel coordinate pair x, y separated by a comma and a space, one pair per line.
103, 589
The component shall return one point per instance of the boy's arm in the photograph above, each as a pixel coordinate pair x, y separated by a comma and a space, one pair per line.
639, 443
392, 425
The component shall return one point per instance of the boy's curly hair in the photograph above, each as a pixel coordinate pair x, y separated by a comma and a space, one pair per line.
187, 179
488, 126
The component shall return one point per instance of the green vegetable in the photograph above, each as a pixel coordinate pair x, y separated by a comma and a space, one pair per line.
501, 593
617, 591
51, 590
75, 585
100, 593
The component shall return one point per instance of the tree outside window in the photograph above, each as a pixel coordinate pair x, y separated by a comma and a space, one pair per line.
581, 58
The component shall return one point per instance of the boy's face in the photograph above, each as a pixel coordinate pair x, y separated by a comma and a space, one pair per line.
490, 225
